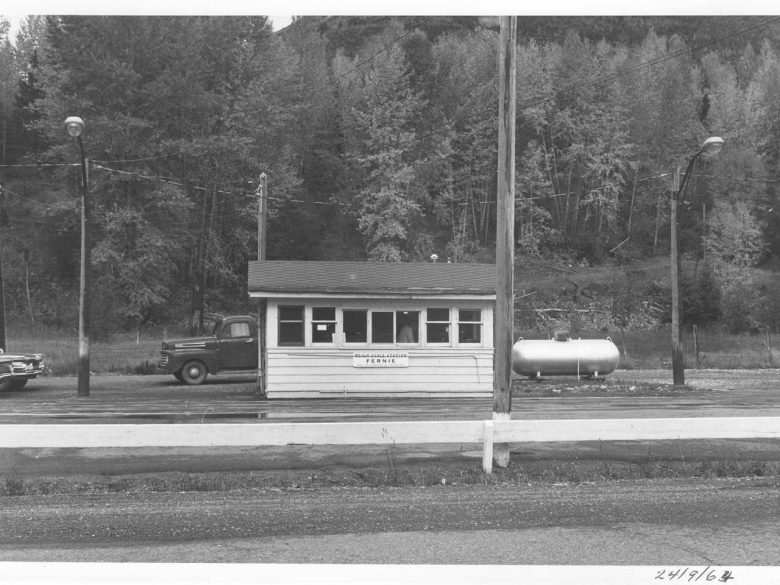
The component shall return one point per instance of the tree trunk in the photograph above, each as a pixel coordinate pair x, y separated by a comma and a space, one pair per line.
27, 284
197, 273
631, 212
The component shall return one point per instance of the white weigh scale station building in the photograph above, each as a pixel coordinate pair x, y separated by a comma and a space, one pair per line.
360, 329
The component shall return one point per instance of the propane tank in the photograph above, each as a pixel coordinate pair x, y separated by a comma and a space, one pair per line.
563, 356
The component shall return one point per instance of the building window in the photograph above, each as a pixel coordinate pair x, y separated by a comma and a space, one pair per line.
290, 325
469, 325
323, 324
407, 325
438, 325
355, 326
382, 328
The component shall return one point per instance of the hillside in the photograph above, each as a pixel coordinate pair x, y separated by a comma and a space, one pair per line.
375, 139
635, 296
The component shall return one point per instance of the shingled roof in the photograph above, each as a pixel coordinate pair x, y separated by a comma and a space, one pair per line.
274, 277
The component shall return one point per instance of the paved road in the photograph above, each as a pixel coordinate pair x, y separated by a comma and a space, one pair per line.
137, 399
690, 522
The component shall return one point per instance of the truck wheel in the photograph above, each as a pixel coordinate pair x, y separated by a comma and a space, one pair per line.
193, 373
5, 384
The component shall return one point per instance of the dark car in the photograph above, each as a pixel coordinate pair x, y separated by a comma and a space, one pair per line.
17, 369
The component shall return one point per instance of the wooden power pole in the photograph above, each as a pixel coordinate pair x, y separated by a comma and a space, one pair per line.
262, 213
262, 222
505, 224
678, 369
85, 278
3, 223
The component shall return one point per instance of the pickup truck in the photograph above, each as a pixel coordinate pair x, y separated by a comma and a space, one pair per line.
17, 368
231, 347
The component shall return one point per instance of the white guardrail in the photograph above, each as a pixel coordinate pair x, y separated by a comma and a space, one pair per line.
30, 436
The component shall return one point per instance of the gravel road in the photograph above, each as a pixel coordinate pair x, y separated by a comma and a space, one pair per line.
716, 522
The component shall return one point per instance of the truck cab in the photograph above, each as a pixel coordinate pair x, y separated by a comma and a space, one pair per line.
231, 347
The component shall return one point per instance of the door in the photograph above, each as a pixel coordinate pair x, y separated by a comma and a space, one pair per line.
238, 346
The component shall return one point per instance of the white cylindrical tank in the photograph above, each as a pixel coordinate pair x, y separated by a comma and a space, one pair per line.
563, 356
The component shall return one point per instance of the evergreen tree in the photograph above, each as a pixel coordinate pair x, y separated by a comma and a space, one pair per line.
381, 137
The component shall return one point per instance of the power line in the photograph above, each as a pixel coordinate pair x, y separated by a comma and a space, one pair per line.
130, 160
40, 165
41, 203
221, 191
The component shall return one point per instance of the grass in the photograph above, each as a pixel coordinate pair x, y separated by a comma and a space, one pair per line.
139, 353
456, 472
651, 350
124, 353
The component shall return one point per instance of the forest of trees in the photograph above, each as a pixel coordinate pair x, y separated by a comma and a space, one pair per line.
378, 137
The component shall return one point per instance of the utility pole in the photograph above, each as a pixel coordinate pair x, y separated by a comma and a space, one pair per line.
711, 146
3, 223
505, 224
85, 317
262, 212
678, 370
262, 215
75, 127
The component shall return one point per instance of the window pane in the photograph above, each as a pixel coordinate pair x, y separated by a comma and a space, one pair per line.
323, 314
291, 313
470, 315
355, 326
407, 326
239, 330
438, 315
291, 333
381, 327
322, 332
438, 333
469, 333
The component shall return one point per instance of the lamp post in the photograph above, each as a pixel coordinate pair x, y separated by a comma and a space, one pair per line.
75, 126
710, 146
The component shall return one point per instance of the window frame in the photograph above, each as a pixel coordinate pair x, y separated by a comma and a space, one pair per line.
313, 322
447, 323
480, 323
418, 342
227, 330
371, 341
302, 323
366, 325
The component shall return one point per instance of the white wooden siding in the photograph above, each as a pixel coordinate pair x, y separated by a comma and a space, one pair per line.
320, 373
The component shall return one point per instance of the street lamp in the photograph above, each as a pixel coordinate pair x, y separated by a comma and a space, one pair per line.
710, 146
75, 126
